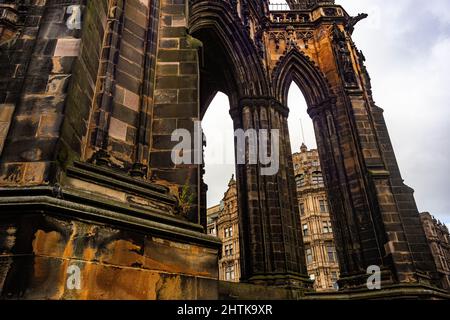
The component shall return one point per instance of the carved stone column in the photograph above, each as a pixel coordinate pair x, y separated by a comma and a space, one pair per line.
271, 241
371, 227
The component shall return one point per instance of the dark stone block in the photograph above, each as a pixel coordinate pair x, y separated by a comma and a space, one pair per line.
177, 55
128, 82
161, 160
125, 114
164, 126
187, 110
187, 95
161, 142
170, 82
29, 150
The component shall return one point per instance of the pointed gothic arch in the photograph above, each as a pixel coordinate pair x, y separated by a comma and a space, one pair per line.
244, 73
296, 67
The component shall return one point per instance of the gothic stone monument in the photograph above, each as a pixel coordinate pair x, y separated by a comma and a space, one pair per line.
90, 93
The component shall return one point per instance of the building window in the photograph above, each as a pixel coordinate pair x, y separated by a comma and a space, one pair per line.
323, 206
212, 231
305, 230
309, 256
334, 279
302, 208
300, 180
229, 250
228, 232
330, 252
327, 227
229, 273
317, 178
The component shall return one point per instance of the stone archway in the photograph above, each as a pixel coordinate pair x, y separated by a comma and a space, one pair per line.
271, 241
368, 200
262, 61
296, 67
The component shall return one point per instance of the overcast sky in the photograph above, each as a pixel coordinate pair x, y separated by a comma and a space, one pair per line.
407, 46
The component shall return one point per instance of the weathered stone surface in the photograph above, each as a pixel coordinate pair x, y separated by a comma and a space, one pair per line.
114, 263
67, 48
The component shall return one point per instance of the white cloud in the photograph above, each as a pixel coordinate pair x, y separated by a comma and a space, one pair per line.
219, 152
407, 58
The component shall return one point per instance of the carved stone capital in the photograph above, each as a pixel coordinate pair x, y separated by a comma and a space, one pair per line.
264, 102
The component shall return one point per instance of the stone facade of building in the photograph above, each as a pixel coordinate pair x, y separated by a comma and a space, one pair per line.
439, 241
320, 251
223, 222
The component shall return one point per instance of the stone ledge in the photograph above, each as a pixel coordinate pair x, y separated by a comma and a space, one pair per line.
163, 226
90, 171
113, 283
400, 292
244, 291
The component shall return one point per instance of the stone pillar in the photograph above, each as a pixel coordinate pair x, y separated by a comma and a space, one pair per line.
373, 226
176, 107
270, 233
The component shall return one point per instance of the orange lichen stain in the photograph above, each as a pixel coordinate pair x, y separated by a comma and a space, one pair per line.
41, 271
122, 252
47, 243
61, 284
187, 267
169, 288
107, 282
68, 251
89, 254
45, 278
153, 264
68, 256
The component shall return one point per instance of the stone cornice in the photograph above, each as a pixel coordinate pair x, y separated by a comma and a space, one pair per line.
81, 206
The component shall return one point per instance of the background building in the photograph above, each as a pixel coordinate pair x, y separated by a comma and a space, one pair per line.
320, 250
439, 241
321, 258
223, 222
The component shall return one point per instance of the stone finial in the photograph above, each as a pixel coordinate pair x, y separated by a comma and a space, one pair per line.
232, 181
303, 148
